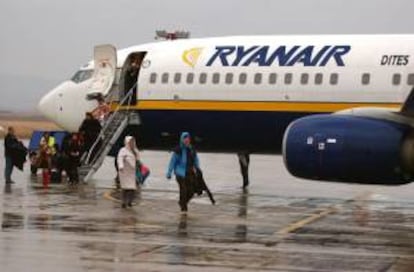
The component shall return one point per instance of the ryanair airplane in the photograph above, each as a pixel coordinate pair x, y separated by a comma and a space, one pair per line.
333, 105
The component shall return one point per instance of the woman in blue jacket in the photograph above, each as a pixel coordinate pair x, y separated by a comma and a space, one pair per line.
184, 163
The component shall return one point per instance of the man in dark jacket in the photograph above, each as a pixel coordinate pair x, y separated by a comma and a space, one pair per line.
89, 129
10, 145
73, 153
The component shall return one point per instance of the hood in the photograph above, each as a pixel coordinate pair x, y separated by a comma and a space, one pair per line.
127, 140
183, 135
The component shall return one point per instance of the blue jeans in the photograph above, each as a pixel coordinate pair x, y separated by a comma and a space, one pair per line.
8, 169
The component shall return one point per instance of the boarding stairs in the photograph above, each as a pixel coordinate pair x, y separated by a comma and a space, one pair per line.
109, 135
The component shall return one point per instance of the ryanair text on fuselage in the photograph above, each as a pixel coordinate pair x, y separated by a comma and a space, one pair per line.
281, 56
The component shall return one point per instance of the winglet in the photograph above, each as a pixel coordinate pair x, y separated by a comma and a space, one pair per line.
407, 108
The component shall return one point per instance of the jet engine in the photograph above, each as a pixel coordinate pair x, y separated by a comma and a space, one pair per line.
352, 149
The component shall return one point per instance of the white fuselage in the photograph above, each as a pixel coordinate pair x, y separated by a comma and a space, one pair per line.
272, 76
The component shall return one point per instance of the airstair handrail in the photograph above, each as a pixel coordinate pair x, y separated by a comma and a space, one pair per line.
108, 122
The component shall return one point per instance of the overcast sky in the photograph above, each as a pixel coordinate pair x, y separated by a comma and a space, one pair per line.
43, 42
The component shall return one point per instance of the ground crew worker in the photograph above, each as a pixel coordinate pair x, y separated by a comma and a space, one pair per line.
184, 162
127, 160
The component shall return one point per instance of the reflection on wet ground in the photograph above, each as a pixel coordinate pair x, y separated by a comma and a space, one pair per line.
281, 224
84, 229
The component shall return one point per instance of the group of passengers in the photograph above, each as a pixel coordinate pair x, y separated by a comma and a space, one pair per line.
184, 163
53, 159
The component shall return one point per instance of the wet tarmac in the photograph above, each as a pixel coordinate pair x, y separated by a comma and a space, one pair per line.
280, 224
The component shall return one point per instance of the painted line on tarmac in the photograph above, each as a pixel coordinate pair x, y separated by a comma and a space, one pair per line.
308, 220
279, 235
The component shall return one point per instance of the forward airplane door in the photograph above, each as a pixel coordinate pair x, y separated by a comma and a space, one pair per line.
105, 62
129, 76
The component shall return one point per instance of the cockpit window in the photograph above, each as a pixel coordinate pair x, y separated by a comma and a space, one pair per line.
82, 75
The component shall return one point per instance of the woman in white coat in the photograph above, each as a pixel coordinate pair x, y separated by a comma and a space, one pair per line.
127, 161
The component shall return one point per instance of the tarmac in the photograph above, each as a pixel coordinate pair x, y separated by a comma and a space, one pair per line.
280, 224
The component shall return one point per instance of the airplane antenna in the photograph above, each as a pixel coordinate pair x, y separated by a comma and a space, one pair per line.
165, 35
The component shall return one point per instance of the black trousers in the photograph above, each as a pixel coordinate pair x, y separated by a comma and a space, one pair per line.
244, 161
127, 196
72, 171
186, 186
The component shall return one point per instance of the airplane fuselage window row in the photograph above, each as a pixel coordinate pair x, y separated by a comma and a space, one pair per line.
259, 78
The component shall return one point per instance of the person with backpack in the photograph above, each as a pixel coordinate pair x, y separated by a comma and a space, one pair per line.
184, 163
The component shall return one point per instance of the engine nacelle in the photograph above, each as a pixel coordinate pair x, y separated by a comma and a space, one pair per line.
347, 148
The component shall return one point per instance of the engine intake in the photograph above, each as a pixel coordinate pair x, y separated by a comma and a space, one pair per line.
350, 149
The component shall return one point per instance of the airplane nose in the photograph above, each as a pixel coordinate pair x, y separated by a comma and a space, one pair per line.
66, 105
47, 106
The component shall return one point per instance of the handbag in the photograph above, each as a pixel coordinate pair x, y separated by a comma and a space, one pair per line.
142, 172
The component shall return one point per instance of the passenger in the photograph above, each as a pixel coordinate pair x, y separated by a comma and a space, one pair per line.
127, 160
74, 154
57, 165
46, 150
131, 77
65, 153
10, 144
184, 162
49, 141
89, 129
102, 111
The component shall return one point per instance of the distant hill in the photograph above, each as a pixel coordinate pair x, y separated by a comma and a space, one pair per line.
22, 93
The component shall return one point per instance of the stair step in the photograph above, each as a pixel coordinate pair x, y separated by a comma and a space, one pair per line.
109, 136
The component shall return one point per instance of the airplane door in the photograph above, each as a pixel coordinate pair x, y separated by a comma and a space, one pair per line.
129, 76
105, 62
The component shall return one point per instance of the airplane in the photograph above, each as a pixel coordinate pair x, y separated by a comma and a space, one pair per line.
335, 106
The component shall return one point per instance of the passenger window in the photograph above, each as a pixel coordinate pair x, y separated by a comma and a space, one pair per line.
164, 78
365, 78
288, 78
203, 78
396, 79
243, 78
229, 78
410, 79
216, 78
272, 78
190, 78
177, 78
153, 78
333, 80
304, 79
318, 78
257, 78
